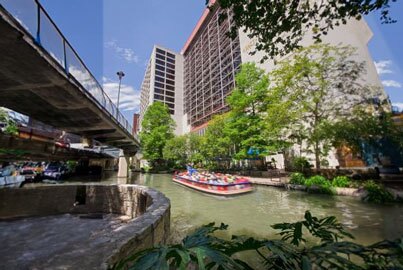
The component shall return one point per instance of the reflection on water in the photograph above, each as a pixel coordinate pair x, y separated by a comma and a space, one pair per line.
253, 213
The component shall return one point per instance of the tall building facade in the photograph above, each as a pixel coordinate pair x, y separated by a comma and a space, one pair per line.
163, 82
210, 60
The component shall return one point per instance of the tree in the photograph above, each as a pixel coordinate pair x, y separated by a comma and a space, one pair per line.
184, 149
367, 129
217, 142
278, 26
320, 85
157, 128
175, 150
10, 125
247, 103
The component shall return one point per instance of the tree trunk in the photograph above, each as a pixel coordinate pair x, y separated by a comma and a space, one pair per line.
317, 156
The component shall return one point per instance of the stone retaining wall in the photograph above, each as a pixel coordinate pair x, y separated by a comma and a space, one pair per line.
147, 211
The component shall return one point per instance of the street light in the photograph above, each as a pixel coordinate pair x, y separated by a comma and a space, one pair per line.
120, 75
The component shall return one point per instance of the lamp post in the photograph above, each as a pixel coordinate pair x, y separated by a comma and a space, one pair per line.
120, 75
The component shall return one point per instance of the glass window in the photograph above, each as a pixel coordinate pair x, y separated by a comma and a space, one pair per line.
169, 93
160, 68
159, 79
160, 62
169, 76
159, 97
171, 55
170, 82
160, 56
171, 111
170, 105
160, 85
171, 71
170, 60
160, 51
159, 73
170, 65
170, 99
169, 87
158, 91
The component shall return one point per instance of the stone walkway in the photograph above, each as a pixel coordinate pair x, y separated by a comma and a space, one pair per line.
276, 182
57, 242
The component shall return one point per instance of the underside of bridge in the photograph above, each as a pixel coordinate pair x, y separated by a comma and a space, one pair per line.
33, 83
13, 149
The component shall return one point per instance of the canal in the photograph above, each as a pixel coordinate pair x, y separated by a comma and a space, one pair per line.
253, 213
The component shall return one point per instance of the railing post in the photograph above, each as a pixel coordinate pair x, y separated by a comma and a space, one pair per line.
38, 17
66, 67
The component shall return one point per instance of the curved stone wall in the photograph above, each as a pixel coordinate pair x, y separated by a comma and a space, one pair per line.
147, 212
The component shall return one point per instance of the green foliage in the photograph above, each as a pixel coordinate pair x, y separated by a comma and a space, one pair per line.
261, 19
217, 141
317, 180
320, 181
297, 179
307, 84
203, 250
300, 164
247, 102
175, 150
184, 149
341, 181
157, 129
367, 127
11, 127
377, 193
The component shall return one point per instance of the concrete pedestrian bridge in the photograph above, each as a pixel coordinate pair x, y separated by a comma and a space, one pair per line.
79, 226
42, 76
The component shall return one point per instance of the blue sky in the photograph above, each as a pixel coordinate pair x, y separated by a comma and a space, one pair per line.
112, 35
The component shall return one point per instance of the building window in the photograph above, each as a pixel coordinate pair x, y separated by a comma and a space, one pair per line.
170, 82
159, 79
169, 87
158, 91
159, 97
160, 68
160, 51
170, 105
159, 56
171, 60
171, 55
159, 62
160, 85
171, 71
170, 65
169, 76
159, 73
169, 93
170, 99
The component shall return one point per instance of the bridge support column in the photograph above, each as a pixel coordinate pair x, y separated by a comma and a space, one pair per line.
123, 170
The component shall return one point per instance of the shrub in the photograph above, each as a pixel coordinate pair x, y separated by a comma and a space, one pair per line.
377, 193
321, 182
341, 181
297, 179
317, 180
311, 243
300, 164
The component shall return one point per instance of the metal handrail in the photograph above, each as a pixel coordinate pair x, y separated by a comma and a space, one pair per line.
120, 119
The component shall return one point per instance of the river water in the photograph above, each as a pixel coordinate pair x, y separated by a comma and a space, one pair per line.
253, 213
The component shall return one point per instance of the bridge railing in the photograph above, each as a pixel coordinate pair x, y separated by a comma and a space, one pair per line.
33, 17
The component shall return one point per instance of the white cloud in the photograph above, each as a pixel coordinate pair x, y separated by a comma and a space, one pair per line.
391, 83
383, 67
399, 105
129, 99
125, 53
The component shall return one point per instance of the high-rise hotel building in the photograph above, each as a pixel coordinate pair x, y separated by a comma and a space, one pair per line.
206, 67
163, 82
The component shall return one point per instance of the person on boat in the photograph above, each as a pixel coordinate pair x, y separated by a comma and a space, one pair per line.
191, 170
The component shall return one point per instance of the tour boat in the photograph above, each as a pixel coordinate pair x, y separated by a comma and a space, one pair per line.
217, 184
